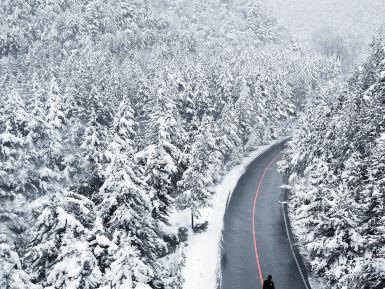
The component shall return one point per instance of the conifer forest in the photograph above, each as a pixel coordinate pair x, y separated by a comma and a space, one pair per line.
118, 117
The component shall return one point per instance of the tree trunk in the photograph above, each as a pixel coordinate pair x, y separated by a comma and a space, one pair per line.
192, 220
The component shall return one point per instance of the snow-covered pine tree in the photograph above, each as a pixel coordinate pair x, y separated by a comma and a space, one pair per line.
15, 166
159, 159
53, 151
262, 24
13, 144
60, 254
246, 110
93, 143
230, 142
196, 184
127, 270
125, 207
12, 274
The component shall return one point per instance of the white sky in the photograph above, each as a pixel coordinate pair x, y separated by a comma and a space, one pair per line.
354, 21
304, 17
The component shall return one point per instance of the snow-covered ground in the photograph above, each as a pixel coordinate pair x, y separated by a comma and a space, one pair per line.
203, 252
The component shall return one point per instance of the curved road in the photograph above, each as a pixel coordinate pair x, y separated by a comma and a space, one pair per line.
255, 240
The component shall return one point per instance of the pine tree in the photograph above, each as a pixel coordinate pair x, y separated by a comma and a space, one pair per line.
246, 110
126, 207
230, 142
14, 178
60, 253
127, 270
197, 181
263, 25
12, 275
93, 144
159, 158
52, 150
14, 167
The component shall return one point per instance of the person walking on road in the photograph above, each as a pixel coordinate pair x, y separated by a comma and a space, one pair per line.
268, 284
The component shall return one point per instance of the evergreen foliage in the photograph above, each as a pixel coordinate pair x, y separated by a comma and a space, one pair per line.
115, 113
335, 167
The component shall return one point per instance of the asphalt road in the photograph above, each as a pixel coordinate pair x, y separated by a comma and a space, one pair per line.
255, 240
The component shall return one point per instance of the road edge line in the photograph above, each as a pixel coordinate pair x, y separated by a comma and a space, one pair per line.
285, 216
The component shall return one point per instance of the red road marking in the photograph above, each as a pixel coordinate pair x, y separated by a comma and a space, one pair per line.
253, 217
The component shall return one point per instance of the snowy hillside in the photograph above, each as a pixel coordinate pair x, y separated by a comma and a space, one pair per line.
335, 163
115, 113
343, 28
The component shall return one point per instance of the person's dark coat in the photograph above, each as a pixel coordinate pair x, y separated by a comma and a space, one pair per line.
268, 284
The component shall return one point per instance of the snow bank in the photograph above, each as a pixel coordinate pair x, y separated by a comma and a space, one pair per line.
203, 252
142, 286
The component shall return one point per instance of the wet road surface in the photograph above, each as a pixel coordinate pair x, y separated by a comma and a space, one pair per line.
255, 240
